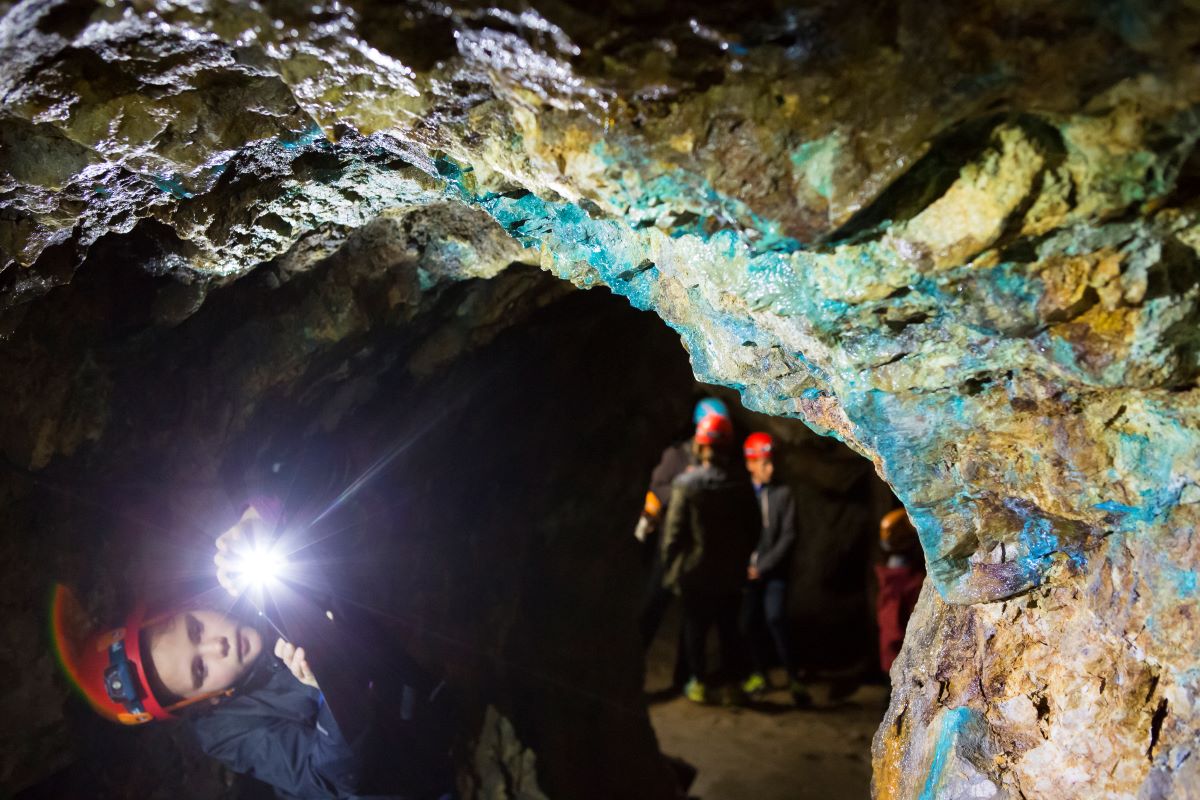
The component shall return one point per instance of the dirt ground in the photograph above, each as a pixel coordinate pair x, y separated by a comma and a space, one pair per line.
769, 750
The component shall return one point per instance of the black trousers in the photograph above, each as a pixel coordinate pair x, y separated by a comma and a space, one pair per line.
701, 613
765, 601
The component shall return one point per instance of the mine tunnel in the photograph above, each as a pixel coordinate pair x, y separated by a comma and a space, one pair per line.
341, 341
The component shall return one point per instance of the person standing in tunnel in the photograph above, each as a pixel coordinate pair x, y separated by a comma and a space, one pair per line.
676, 459
711, 529
767, 574
900, 578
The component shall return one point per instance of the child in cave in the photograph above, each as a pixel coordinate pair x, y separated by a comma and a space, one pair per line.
676, 459
900, 578
253, 701
712, 526
765, 601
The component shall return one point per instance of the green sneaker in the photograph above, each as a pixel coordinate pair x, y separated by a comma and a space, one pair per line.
756, 683
695, 691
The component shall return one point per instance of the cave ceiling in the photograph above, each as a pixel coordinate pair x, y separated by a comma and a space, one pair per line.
960, 237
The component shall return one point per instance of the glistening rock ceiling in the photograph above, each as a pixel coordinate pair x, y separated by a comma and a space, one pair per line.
964, 240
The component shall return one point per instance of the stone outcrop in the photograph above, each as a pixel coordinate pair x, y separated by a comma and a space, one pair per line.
961, 239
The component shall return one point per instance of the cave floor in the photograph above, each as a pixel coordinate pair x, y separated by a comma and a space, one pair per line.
768, 750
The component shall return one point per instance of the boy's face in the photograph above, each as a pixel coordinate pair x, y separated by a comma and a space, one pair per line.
760, 469
201, 651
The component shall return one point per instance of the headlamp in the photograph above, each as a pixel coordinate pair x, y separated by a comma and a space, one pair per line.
119, 679
259, 566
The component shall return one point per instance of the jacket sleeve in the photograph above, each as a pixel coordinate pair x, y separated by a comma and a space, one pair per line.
302, 760
670, 465
775, 555
676, 535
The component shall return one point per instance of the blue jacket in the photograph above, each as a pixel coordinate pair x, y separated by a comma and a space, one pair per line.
284, 734
774, 550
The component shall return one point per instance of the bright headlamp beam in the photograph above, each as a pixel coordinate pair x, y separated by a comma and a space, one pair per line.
259, 567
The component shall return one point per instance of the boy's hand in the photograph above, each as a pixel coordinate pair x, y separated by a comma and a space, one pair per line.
240, 535
644, 528
293, 658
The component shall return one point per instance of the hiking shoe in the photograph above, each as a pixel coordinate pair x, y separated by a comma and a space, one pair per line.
755, 684
695, 691
800, 696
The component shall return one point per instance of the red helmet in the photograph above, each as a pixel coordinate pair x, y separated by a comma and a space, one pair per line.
109, 667
714, 430
758, 445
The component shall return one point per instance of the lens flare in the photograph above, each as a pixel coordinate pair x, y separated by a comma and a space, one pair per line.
260, 567
66, 617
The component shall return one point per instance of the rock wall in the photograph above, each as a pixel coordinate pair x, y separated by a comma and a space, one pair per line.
962, 239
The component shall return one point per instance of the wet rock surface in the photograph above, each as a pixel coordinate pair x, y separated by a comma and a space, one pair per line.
963, 240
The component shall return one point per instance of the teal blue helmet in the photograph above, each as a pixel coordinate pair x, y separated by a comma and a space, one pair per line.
709, 407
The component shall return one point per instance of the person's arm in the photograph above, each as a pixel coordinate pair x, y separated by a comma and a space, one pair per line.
675, 534
775, 555
303, 759
649, 519
670, 465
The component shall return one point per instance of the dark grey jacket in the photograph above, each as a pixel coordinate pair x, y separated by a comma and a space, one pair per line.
774, 550
712, 524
